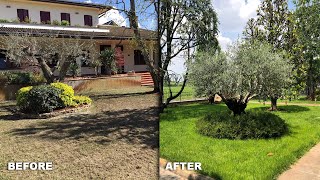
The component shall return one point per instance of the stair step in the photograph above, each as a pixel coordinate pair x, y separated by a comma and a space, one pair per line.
146, 79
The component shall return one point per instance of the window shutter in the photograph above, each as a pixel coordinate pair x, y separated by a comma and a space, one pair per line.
138, 58
87, 20
45, 17
22, 14
65, 17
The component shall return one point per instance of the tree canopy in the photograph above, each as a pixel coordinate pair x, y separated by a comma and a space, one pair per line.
245, 71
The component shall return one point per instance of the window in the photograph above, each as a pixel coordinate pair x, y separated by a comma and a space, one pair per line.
138, 58
45, 17
87, 20
23, 15
104, 47
65, 17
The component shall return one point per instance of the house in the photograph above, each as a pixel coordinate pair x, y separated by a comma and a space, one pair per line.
67, 18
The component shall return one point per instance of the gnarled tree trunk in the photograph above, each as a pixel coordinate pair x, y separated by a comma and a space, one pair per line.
274, 104
46, 70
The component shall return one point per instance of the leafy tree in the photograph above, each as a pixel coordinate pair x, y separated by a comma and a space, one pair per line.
184, 25
247, 70
307, 48
46, 49
132, 9
273, 26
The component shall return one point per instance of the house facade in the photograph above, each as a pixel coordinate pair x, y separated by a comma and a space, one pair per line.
69, 19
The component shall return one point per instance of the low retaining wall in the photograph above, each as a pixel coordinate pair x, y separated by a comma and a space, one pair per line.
8, 92
104, 83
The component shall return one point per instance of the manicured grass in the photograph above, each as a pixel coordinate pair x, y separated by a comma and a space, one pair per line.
237, 159
301, 100
187, 94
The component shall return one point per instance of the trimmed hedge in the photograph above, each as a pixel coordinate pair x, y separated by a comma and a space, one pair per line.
252, 125
43, 99
46, 98
22, 97
67, 94
21, 78
82, 100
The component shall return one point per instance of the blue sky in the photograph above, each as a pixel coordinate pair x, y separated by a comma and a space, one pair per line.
147, 18
232, 14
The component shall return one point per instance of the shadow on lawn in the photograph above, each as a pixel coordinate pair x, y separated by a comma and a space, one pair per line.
8, 112
109, 96
136, 126
286, 109
190, 111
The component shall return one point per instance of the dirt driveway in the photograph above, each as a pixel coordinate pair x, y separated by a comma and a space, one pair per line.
116, 139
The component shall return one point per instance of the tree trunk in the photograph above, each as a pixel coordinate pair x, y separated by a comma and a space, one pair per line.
64, 69
311, 91
274, 104
47, 73
171, 97
237, 107
133, 20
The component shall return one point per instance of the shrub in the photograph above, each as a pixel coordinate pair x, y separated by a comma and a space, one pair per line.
4, 21
252, 125
81, 100
21, 78
67, 93
74, 69
43, 99
22, 97
65, 23
56, 23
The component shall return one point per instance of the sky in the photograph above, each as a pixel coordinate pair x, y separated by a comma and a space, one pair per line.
232, 15
146, 16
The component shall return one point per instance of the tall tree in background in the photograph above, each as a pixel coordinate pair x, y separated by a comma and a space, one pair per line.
184, 26
272, 26
146, 8
307, 48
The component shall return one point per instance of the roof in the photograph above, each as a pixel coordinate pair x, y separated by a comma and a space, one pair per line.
74, 3
111, 23
103, 32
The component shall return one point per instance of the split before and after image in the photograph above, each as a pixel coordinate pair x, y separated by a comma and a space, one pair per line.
160, 89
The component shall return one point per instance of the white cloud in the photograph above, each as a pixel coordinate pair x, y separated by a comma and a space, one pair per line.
233, 14
224, 42
88, 1
115, 16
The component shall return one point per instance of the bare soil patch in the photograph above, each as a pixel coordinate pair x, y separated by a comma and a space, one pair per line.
116, 139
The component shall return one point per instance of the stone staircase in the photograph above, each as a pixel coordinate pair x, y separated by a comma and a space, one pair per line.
146, 79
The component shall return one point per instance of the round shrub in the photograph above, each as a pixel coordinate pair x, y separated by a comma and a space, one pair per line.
67, 93
43, 99
22, 97
252, 125
81, 100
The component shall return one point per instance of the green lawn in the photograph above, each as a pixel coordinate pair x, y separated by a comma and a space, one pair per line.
237, 159
187, 94
301, 100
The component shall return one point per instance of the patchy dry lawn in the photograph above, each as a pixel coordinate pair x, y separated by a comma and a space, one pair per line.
116, 139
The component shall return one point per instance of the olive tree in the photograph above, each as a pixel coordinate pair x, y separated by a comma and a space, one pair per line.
46, 49
245, 71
